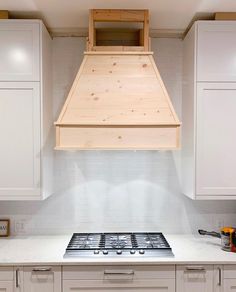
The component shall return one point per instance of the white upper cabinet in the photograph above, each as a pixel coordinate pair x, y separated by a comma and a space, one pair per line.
19, 50
216, 139
26, 120
20, 139
216, 51
208, 111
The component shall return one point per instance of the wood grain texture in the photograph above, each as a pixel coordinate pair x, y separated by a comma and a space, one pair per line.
118, 90
119, 48
123, 15
225, 16
4, 14
96, 137
115, 38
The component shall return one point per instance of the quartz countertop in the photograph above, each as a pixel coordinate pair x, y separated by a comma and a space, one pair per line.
49, 250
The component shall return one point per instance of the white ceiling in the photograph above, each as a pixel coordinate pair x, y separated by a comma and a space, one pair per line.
164, 14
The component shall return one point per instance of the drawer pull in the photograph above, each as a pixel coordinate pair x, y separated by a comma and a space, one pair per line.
41, 269
195, 269
110, 272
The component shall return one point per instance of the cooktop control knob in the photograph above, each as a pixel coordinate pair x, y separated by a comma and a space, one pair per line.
142, 251
132, 251
105, 251
96, 251
119, 251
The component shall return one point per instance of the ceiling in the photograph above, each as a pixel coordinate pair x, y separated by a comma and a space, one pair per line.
71, 14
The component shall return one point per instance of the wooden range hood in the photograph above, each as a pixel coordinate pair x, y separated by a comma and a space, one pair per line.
118, 99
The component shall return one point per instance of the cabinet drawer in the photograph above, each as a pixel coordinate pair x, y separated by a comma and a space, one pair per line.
230, 272
42, 279
118, 272
194, 278
19, 50
167, 285
6, 274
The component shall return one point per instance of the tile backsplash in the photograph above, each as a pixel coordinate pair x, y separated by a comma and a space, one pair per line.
116, 190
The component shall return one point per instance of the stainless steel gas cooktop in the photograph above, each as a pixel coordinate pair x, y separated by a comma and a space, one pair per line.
118, 244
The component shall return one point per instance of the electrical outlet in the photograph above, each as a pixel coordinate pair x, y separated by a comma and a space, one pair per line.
20, 226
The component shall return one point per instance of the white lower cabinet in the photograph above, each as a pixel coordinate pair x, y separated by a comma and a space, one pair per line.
115, 279
230, 285
42, 279
6, 286
149, 278
229, 278
6, 279
194, 278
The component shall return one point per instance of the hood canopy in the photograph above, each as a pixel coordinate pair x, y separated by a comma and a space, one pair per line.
117, 101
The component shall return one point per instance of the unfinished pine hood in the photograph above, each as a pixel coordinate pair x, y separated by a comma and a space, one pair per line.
118, 99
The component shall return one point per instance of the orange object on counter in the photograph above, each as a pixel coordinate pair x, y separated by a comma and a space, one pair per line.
228, 238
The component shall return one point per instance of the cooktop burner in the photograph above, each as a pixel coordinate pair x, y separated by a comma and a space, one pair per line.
118, 244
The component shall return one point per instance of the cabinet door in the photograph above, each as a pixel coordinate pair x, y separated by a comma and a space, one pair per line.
46, 279
194, 278
216, 46
216, 139
6, 286
20, 140
167, 285
19, 50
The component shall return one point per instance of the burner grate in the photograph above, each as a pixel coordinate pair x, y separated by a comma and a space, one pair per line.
114, 241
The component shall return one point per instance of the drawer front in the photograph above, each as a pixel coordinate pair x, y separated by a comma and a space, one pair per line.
6, 273
167, 285
229, 271
229, 285
194, 278
118, 272
6, 286
19, 51
42, 279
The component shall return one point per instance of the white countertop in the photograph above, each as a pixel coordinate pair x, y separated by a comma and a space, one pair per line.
49, 250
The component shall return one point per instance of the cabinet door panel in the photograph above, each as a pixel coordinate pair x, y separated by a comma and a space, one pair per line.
194, 279
216, 51
216, 139
6, 286
36, 279
20, 140
19, 51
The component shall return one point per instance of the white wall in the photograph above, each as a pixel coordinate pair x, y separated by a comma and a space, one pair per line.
117, 190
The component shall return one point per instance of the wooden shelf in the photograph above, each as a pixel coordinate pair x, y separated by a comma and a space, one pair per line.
100, 38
